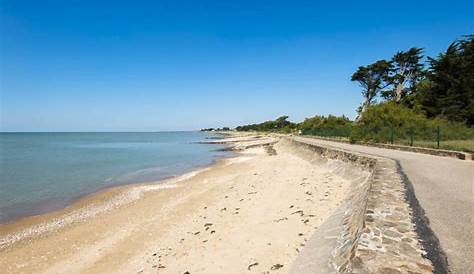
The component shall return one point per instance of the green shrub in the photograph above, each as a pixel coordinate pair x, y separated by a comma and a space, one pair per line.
390, 121
331, 126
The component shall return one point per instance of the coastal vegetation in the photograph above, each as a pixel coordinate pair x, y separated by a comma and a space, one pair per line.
281, 124
443, 89
216, 129
408, 99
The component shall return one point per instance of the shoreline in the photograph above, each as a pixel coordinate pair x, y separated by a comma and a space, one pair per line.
100, 197
87, 164
70, 202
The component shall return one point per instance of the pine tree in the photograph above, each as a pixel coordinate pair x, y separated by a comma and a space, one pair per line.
372, 79
451, 76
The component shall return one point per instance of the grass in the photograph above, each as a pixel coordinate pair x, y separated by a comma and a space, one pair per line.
458, 145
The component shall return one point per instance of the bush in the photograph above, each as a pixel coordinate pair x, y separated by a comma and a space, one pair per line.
390, 121
331, 126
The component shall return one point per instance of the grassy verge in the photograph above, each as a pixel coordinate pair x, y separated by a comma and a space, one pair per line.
456, 145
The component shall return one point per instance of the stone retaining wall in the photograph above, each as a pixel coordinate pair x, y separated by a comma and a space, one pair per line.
378, 234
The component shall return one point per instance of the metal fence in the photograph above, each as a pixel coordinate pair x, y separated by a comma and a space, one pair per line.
454, 138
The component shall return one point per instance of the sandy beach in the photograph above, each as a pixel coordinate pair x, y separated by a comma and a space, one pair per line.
249, 214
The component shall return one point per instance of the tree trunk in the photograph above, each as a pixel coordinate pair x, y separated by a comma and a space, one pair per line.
365, 105
398, 92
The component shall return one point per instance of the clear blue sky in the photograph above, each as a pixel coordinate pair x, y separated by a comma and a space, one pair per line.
177, 65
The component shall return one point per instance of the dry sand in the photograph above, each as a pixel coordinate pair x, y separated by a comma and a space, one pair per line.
249, 214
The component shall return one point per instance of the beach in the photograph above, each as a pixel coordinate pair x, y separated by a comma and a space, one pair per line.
253, 212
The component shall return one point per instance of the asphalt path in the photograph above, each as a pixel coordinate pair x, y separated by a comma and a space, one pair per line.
443, 187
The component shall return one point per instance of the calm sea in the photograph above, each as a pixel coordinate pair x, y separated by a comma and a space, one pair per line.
40, 172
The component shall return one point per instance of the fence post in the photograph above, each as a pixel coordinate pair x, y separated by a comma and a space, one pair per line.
411, 136
391, 135
437, 136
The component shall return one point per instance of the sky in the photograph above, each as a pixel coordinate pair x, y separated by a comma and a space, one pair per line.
71, 65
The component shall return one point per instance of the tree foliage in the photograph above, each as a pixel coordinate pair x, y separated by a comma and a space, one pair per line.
389, 120
450, 93
281, 124
444, 90
372, 79
380, 121
331, 125
406, 71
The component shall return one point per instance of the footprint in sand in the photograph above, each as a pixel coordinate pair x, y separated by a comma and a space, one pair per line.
252, 265
276, 266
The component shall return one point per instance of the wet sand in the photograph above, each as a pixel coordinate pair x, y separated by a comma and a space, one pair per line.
252, 213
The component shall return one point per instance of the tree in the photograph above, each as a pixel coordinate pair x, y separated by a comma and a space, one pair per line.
281, 124
451, 91
405, 72
372, 78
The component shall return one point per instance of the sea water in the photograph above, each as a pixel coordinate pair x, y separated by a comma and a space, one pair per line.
40, 172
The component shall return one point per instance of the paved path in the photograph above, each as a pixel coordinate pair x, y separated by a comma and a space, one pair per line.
444, 188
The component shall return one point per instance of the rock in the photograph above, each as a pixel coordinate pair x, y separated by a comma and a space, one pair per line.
389, 271
392, 234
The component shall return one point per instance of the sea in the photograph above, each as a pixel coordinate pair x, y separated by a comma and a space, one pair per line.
42, 172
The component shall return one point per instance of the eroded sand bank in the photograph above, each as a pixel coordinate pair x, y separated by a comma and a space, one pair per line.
250, 214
